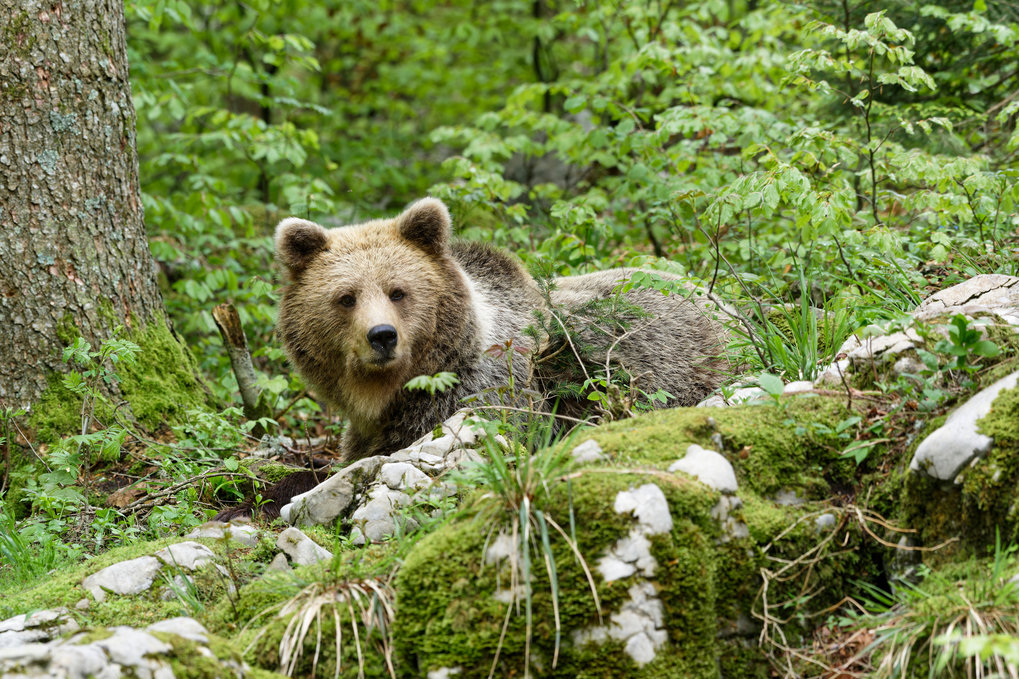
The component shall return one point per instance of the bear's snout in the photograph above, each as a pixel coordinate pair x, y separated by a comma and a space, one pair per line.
382, 339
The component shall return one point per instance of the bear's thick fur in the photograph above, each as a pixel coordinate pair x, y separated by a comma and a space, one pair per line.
370, 306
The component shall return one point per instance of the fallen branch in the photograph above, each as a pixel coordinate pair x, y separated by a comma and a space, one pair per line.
229, 323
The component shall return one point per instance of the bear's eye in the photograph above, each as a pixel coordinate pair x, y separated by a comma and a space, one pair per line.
396, 295
347, 301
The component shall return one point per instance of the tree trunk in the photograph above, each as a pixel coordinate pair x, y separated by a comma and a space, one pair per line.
73, 253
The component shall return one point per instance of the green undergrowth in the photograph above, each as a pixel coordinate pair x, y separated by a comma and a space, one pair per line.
62, 587
939, 625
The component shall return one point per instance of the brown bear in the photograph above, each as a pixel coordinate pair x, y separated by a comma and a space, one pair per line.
367, 307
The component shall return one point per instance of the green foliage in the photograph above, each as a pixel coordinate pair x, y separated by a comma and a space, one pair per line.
24, 561
965, 345
56, 493
959, 621
753, 144
772, 385
433, 384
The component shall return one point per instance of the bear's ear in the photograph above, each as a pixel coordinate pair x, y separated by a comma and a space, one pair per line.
297, 243
426, 224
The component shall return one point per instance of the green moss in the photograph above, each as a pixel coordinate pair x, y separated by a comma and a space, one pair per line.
189, 660
162, 384
743, 659
706, 581
67, 330
274, 472
159, 387
63, 588
771, 447
449, 615
56, 413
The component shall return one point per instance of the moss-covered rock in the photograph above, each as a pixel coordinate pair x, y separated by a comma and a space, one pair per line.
457, 609
967, 514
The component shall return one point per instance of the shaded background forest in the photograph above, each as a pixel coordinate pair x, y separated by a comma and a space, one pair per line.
764, 147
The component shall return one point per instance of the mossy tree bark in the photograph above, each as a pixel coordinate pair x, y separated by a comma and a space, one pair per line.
73, 252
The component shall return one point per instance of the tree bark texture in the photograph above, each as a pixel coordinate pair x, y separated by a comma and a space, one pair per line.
72, 237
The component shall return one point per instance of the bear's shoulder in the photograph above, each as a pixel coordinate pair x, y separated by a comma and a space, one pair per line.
492, 266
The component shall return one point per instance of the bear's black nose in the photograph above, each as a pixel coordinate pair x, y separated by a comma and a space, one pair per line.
382, 338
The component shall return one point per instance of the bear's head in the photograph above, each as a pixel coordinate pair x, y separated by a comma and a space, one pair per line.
361, 310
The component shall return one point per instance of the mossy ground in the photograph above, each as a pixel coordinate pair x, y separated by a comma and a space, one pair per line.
63, 588
454, 619
447, 612
773, 447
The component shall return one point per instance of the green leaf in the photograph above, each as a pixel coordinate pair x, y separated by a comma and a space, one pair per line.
771, 384
986, 348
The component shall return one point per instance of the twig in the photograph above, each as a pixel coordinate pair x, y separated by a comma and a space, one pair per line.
183, 484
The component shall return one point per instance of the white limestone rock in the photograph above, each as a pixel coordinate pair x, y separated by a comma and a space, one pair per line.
648, 505
500, 547
741, 395
332, 498
800, 387
189, 555
376, 519
986, 294
125, 578
440, 446
834, 375
301, 549
129, 646
613, 568
238, 531
708, 467
588, 451
427, 462
640, 623
182, 626
788, 498
445, 673
35, 627
126, 652
907, 365
403, 476
279, 563
883, 348
825, 522
954, 445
